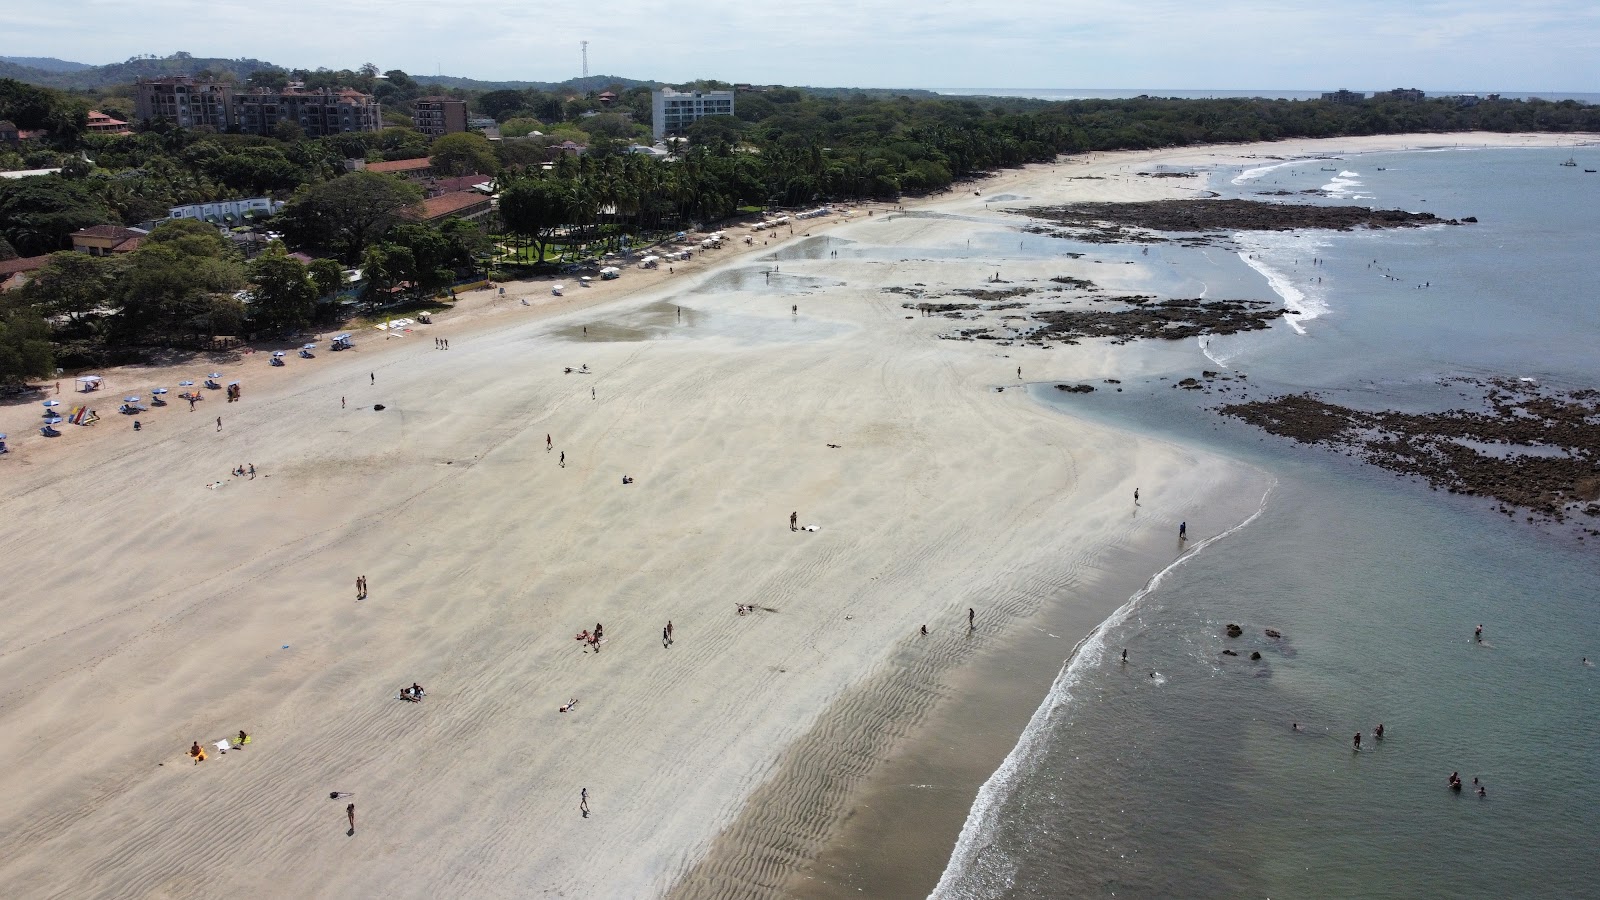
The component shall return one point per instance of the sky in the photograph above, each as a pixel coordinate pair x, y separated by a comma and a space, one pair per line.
1436, 45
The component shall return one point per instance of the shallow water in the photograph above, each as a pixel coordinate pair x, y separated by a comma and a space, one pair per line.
1194, 783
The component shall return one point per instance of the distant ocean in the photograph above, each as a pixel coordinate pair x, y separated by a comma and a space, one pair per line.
1179, 774
1125, 94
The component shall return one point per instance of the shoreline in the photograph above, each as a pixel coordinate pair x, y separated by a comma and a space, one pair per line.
176, 613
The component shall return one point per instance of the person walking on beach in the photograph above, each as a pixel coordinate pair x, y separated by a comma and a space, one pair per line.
563, 459
219, 423
794, 521
924, 631
971, 619
1183, 530
1135, 496
373, 376
547, 443
341, 403
350, 813
1124, 655
583, 802
1019, 373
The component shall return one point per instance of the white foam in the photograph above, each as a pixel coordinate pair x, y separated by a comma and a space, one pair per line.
1305, 305
977, 868
1253, 174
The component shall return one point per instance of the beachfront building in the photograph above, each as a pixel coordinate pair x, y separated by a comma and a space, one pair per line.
320, 112
470, 205
1344, 96
227, 212
439, 116
185, 102
673, 111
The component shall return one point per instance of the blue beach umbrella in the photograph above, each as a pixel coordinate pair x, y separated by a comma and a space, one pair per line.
130, 399
158, 390
185, 384
50, 403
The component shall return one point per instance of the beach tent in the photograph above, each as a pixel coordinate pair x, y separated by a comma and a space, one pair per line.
89, 383
340, 342
557, 289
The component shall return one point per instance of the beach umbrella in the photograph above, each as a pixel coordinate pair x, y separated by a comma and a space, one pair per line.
185, 384
277, 353
232, 383
158, 390
309, 347
215, 375
50, 403
130, 399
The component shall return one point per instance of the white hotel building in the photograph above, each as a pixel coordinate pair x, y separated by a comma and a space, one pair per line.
675, 110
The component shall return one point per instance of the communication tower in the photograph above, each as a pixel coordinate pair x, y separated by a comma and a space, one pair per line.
585, 58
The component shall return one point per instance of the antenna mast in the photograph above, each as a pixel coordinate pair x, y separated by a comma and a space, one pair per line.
585, 58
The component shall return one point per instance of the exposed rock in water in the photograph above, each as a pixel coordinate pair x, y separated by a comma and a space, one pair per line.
1229, 215
1234, 631
1529, 448
1256, 655
1076, 388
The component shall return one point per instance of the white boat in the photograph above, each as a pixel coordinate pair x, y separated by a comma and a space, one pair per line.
1571, 162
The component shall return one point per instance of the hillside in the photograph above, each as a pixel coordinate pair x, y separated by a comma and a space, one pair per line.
591, 83
95, 77
47, 63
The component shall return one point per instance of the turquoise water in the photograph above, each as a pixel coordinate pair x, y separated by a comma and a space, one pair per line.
1193, 783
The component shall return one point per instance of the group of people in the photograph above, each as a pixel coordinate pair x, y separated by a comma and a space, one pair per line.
243, 470
592, 638
413, 694
199, 755
1455, 785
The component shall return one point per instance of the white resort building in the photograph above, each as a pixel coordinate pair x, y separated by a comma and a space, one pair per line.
674, 111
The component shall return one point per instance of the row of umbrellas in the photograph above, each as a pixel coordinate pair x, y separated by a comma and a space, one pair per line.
52, 404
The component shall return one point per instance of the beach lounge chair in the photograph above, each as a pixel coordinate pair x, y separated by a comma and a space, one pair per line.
277, 360
307, 354
213, 385
47, 431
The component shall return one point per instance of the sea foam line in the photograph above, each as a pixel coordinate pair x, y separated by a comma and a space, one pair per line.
962, 877
1304, 307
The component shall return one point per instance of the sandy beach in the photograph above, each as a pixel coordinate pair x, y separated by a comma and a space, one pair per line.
156, 600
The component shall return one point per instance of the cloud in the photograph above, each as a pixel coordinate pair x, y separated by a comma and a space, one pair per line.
1435, 44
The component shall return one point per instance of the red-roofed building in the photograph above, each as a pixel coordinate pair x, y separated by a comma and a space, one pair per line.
103, 240
100, 123
469, 205
436, 186
406, 168
14, 272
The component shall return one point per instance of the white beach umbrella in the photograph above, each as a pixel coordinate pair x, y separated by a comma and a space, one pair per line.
158, 390
50, 403
130, 399
278, 353
215, 375
185, 384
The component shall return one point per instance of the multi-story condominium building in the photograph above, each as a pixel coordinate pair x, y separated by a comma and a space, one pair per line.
438, 116
676, 110
190, 103
184, 101
320, 113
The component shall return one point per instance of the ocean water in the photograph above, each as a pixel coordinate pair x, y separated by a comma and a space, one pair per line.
1268, 94
1180, 774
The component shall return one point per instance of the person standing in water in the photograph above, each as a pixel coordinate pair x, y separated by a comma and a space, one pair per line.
1183, 531
1356, 744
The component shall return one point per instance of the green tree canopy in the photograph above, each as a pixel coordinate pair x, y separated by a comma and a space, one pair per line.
467, 153
282, 297
350, 212
25, 349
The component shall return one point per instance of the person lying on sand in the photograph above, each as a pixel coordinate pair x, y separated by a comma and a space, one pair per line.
570, 705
